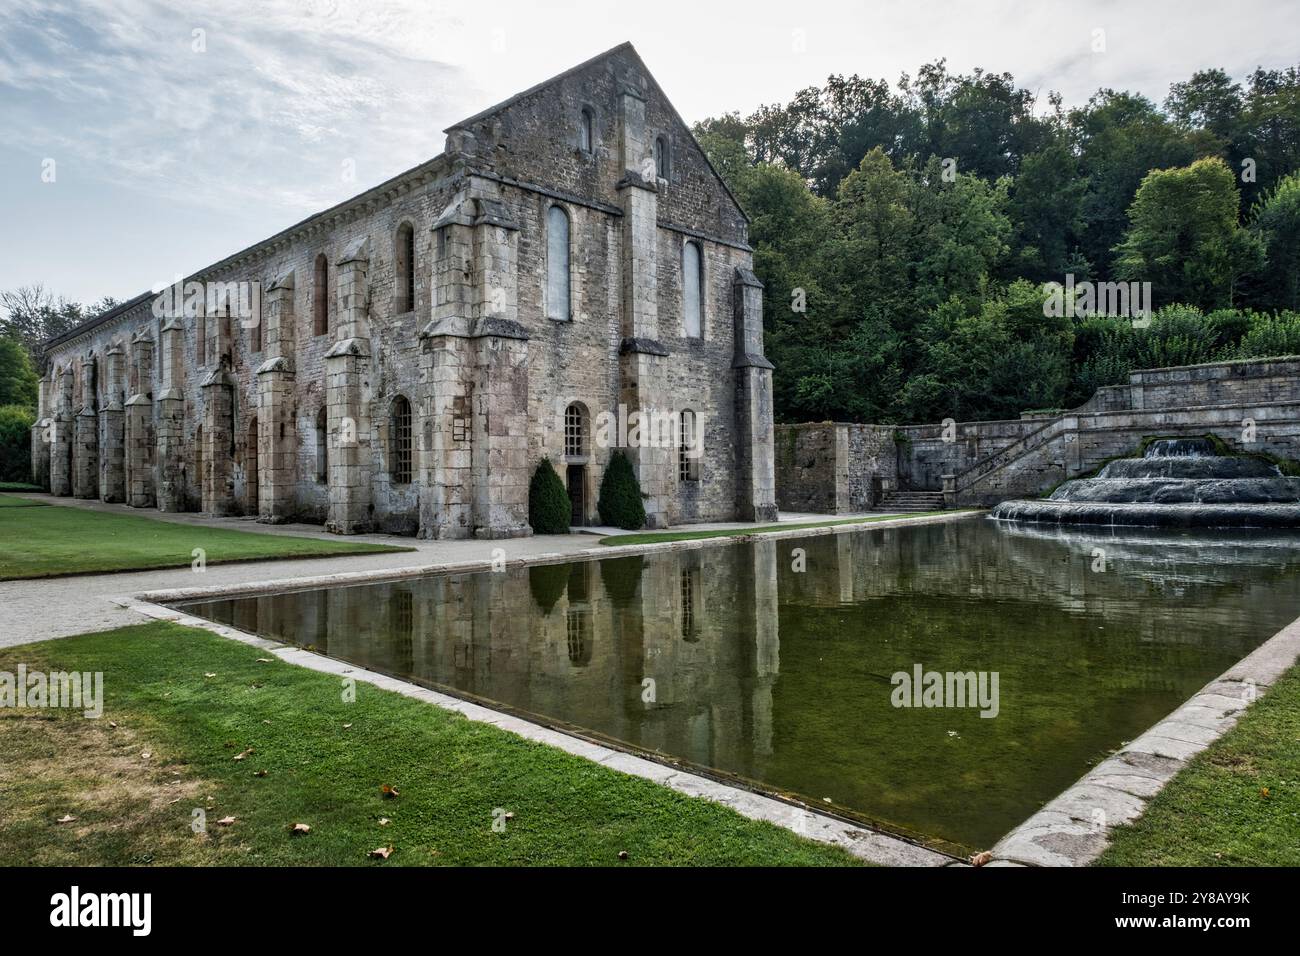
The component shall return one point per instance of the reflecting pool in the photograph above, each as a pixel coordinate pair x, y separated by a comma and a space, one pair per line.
774, 660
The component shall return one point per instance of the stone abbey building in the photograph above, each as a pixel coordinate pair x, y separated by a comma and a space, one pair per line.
403, 361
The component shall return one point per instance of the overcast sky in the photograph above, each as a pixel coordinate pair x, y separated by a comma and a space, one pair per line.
182, 132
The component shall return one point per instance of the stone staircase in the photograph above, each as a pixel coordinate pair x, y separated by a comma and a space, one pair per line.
909, 501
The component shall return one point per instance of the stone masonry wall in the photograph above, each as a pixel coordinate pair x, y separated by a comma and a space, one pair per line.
523, 155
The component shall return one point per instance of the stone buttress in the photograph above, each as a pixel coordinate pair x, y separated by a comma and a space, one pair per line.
643, 360
170, 477
474, 376
140, 475
61, 433
755, 450
276, 424
85, 455
112, 429
348, 394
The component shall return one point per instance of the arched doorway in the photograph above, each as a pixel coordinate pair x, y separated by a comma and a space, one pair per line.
250, 467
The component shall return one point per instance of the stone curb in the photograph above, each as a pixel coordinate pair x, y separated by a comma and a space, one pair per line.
868, 845
1075, 827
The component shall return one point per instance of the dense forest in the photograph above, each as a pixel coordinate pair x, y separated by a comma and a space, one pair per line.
906, 235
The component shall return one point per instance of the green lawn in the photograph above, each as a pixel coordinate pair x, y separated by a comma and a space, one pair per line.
1236, 804
12, 501
38, 542
193, 702
655, 537
18, 486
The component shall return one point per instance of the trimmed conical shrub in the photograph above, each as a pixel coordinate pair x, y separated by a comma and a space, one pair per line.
620, 495
548, 502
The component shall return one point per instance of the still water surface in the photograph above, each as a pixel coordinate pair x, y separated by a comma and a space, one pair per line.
732, 658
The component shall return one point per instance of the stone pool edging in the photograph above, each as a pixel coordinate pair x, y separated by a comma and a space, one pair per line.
869, 845
1075, 827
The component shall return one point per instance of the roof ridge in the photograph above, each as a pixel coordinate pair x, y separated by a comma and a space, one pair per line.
538, 87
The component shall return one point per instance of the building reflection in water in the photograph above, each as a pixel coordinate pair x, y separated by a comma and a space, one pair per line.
782, 675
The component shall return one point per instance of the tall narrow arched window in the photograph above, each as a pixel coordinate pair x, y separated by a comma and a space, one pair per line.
322, 447
585, 137
404, 300
575, 431
558, 305
688, 448
320, 301
200, 321
257, 331
662, 158
399, 441
692, 290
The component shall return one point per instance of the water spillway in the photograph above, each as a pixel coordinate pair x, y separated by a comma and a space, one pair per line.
1178, 482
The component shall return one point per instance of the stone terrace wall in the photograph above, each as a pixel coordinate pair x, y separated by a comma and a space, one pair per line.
834, 467
1253, 406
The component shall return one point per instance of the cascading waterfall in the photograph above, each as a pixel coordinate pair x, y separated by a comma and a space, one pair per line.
1178, 482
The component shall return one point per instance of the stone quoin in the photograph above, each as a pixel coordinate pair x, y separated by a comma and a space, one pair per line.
417, 350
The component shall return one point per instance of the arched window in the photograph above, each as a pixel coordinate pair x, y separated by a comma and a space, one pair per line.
585, 137
200, 337
320, 301
322, 447
399, 441
662, 159
404, 300
688, 448
693, 290
251, 474
256, 335
557, 264
575, 431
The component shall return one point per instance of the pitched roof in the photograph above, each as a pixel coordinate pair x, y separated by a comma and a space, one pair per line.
626, 46
623, 47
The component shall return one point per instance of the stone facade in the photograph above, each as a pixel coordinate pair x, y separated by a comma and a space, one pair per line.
1252, 405
407, 363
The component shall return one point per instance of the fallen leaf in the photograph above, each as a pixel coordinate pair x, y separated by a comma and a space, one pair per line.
979, 859
66, 818
113, 724
388, 792
145, 755
209, 675
225, 821
346, 726
384, 821
1263, 792
266, 722
259, 773
300, 829
241, 756
264, 660
382, 853
622, 854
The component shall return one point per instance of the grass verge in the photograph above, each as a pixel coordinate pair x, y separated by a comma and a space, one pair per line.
18, 486
52, 541
655, 537
181, 707
1237, 803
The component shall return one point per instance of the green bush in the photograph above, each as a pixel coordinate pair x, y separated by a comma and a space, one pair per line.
1271, 336
548, 502
620, 495
16, 423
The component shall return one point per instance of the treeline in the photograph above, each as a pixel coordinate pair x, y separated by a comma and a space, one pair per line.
30, 316
905, 234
